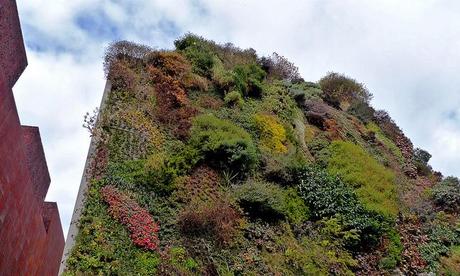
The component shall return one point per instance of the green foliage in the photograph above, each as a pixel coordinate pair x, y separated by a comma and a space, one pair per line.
223, 144
147, 263
303, 91
327, 196
277, 100
442, 235
374, 184
249, 149
393, 254
339, 89
139, 174
446, 194
312, 255
198, 51
421, 158
270, 202
295, 209
234, 98
248, 79
363, 110
389, 144
103, 246
450, 265
179, 259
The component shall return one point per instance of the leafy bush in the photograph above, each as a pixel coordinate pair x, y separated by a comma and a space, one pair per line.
215, 218
269, 202
339, 89
173, 107
121, 76
421, 158
140, 174
363, 110
125, 51
446, 194
316, 254
394, 250
278, 67
374, 184
198, 51
234, 98
175, 261
147, 263
450, 265
140, 224
170, 63
248, 79
202, 185
303, 91
385, 140
222, 144
103, 245
327, 196
441, 238
279, 168
272, 133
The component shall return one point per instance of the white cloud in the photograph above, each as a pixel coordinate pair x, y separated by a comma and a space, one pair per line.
54, 93
406, 53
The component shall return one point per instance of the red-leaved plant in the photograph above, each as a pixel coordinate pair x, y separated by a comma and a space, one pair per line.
143, 229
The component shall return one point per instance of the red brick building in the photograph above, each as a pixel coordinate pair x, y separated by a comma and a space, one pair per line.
31, 237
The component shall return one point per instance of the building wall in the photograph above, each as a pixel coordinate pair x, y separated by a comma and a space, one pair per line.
31, 237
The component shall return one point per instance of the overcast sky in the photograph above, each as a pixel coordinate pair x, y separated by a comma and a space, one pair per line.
406, 52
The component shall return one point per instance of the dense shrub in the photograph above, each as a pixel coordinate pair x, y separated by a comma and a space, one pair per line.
421, 158
201, 185
269, 202
234, 98
278, 67
248, 79
139, 222
121, 76
446, 194
363, 110
222, 144
374, 184
216, 218
279, 168
170, 63
450, 265
272, 133
140, 174
124, 51
198, 51
175, 261
303, 91
389, 144
327, 196
394, 250
319, 253
442, 235
172, 104
222, 77
342, 90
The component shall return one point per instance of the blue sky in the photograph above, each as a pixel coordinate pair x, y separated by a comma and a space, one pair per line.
406, 52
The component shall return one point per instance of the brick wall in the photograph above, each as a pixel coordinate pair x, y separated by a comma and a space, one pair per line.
31, 237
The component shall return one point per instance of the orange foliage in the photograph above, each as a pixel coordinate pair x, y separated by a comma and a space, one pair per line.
202, 184
173, 107
121, 76
217, 218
